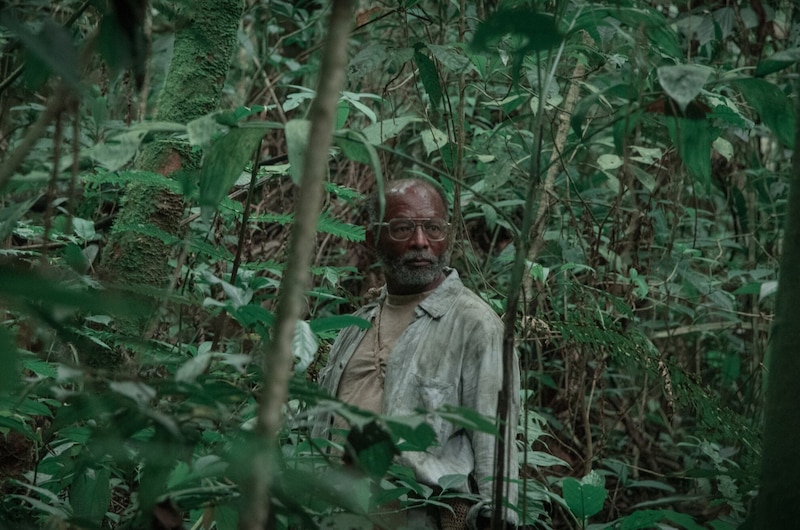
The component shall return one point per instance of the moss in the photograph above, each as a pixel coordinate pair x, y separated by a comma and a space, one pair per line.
200, 61
139, 248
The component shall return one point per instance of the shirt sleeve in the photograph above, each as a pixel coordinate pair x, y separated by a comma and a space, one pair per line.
482, 380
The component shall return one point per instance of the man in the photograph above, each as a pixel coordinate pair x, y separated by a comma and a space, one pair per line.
432, 343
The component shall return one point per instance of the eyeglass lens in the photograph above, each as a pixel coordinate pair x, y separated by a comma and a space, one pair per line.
403, 229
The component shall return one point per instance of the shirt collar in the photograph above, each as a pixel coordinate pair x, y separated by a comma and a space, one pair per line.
441, 299
438, 302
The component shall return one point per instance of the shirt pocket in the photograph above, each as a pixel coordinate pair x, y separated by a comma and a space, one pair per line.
432, 393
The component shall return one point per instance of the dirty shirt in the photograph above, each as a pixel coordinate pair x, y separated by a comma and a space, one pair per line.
449, 354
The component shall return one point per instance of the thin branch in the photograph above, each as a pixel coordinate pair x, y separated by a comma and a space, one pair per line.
277, 356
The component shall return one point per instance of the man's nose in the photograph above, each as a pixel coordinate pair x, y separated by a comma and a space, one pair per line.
418, 238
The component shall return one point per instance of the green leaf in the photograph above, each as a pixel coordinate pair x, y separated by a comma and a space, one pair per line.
379, 132
90, 494
117, 150
297, 132
693, 140
226, 517
414, 433
372, 447
224, 162
10, 215
52, 46
356, 147
304, 345
29, 287
777, 61
683, 82
774, 107
538, 30
320, 325
428, 74
645, 519
583, 499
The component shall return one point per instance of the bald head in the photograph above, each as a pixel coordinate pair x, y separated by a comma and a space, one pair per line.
405, 187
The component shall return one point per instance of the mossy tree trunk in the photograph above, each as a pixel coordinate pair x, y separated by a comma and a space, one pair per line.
779, 491
203, 50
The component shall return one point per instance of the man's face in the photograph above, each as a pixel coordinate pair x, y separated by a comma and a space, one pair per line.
415, 265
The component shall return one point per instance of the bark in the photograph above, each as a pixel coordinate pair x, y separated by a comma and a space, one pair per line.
278, 359
778, 496
203, 50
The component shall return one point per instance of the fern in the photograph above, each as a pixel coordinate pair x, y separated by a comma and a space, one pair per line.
326, 224
123, 178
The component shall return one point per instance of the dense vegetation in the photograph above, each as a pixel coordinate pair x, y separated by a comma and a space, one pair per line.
619, 173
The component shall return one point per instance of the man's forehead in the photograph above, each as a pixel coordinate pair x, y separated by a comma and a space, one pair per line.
401, 187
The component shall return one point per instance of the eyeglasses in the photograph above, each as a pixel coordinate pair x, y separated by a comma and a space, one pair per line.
403, 229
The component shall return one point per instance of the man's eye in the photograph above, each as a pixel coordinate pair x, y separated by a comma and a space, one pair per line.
433, 227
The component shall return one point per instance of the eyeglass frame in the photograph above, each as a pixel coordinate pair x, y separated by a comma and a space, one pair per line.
417, 223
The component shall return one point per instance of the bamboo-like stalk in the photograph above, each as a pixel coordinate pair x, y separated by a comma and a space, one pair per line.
277, 356
780, 469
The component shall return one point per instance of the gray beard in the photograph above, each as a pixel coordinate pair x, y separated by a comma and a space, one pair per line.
402, 274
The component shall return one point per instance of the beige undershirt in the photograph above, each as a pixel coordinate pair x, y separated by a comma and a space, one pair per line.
362, 380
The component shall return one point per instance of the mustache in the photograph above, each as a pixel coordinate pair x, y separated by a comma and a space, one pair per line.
415, 255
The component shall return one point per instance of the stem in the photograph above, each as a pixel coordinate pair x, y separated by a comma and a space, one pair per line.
277, 356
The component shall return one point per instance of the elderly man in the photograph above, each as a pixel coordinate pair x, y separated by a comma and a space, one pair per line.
432, 343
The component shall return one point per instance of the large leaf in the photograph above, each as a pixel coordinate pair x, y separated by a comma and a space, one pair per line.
372, 448
356, 147
13, 213
683, 82
338, 322
224, 162
585, 498
539, 30
379, 132
778, 61
774, 107
428, 74
693, 139
52, 46
90, 494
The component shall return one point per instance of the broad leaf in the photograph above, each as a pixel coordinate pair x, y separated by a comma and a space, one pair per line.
583, 499
52, 46
683, 82
428, 74
90, 494
372, 448
777, 61
774, 107
539, 30
223, 163
379, 132
693, 139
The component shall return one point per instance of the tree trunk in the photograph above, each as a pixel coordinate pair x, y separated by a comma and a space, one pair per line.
780, 469
201, 59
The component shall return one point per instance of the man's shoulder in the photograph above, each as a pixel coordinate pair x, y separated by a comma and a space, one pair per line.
466, 303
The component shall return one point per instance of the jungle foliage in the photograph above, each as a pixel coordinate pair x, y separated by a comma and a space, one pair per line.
619, 173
